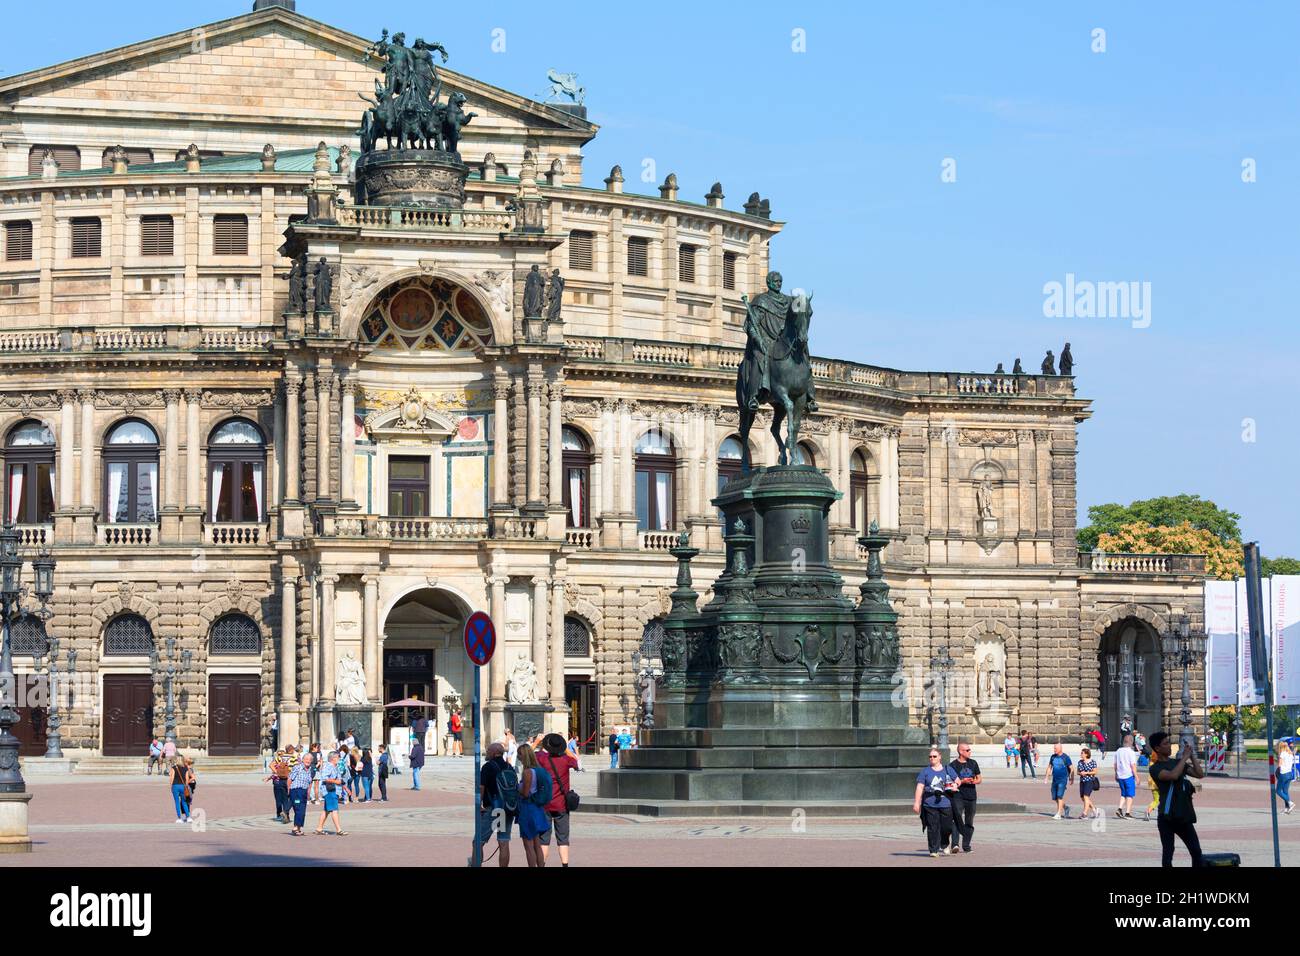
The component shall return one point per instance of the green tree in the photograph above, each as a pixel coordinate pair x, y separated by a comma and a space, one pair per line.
1271, 566
1201, 513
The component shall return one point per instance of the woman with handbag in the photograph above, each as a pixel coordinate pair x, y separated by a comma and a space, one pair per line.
558, 762
1285, 774
181, 792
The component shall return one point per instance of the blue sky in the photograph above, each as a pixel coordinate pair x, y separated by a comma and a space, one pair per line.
1123, 165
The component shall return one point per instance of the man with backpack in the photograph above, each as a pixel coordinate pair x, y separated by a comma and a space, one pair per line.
1177, 815
498, 801
556, 760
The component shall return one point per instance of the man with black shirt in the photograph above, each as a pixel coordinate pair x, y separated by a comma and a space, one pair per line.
963, 801
490, 800
1027, 745
1177, 816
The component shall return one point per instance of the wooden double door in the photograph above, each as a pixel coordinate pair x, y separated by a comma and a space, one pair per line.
234, 715
128, 715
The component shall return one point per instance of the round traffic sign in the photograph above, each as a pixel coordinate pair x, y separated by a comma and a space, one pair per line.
480, 638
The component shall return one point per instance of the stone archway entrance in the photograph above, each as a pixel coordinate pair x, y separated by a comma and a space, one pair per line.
423, 658
1131, 678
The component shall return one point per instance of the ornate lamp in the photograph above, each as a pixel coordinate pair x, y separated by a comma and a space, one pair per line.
941, 666
1183, 648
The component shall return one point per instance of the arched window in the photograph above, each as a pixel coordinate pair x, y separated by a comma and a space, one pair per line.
656, 462
804, 455
577, 638
652, 638
730, 455
131, 473
858, 492
577, 478
27, 635
236, 465
128, 635
29, 462
234, 634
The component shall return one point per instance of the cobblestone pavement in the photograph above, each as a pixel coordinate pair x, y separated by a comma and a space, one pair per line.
128, 821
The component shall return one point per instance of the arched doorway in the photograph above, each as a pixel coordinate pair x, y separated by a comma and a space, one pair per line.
423, 659
1131, 678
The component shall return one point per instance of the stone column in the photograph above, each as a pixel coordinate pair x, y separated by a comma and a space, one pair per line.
193, 445
293, 438
608, 452
289, 654
535, 386
557, 651
329, 661
556, 458
347, 467
275, 476
497, 666
87, 399
323, 432
539, 637
67, 448
500, 442
171, 447
370, 637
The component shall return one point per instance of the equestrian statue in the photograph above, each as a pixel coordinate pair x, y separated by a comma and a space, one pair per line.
405, 106
776, 369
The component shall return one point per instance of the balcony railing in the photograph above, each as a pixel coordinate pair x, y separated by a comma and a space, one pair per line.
658, 540
425, 220
514, 528
174, 337
580, 537
1119, 563
431, 529
235, 533
126, 534
35, 535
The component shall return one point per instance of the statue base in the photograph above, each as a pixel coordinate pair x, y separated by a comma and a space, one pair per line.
526, 720
427, 178
781, 691
14, 836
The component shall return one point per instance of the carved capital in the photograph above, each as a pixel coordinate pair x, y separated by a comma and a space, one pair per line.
171, 396
86, 396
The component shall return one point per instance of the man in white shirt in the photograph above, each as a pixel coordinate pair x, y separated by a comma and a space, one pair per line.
1126, 760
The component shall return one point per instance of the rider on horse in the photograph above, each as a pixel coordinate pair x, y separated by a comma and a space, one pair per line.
764, 325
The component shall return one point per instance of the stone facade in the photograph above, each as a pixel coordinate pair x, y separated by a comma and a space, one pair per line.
972, 477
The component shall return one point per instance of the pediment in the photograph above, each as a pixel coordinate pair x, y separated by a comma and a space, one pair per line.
272, 68
411, 419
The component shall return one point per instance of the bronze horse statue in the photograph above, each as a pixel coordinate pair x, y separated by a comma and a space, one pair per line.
790, 382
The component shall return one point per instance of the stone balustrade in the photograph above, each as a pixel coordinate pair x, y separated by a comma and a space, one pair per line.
235, 534
42, 341
429, 529
235, 340
35, 535
987, 385
580, 538
515, 528
126, 534
425, 219
130, 340
658, 540
1104, 562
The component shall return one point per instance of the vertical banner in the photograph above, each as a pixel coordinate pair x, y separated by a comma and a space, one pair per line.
1250, 694
1221, 654
1286, 638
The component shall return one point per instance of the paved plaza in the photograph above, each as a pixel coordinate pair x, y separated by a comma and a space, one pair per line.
84, 820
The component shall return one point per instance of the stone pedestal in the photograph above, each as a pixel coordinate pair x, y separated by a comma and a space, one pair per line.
13, 823
526, 719
779, 693
412, 177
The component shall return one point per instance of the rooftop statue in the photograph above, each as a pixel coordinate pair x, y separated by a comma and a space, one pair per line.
775, 370
405, 105
565, 84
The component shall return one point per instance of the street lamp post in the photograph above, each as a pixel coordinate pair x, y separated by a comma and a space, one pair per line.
941, 665
167, 674
11, 594
1127, 677
1184, 649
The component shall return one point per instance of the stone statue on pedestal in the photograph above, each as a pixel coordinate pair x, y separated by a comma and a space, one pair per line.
1049, 364
350, 682
554, 297
324, 287
1067, 360
298, 285
522, 687
534, 294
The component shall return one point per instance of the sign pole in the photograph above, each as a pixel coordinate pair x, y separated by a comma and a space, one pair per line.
1263, 673
478, 771
480, 644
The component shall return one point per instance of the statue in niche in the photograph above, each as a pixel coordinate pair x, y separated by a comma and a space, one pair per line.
554, 297
984, 499
350, 684
522, 688
324, 287
992, 682
534, 294
298, 286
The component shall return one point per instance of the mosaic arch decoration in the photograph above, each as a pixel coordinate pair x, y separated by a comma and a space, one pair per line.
426, 314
